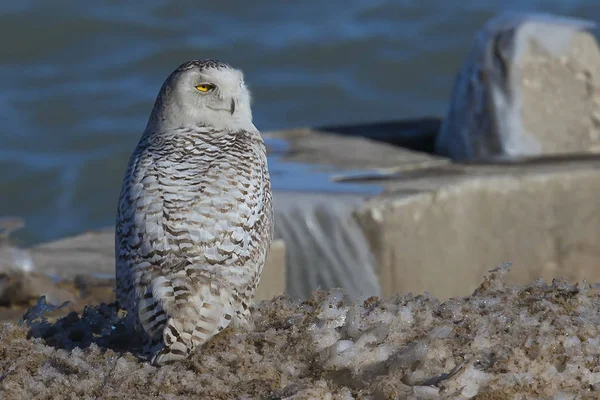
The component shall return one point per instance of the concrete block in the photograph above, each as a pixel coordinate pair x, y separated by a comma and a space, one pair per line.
442, 231
530, 86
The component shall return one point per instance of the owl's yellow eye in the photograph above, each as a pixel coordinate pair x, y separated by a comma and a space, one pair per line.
205, 87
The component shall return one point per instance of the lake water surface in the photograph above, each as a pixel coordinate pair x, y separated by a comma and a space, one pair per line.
78, 79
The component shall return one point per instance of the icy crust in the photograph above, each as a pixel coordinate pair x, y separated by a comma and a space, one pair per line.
503, 342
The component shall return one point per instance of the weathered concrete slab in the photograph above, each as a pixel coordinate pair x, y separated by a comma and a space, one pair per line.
93, 253
90, 252
335, 152
325, 246
529, 86
273, 278
440, 230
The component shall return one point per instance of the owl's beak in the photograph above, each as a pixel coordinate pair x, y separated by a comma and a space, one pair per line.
232, 110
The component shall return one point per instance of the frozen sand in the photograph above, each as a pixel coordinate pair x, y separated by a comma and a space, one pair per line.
502, 342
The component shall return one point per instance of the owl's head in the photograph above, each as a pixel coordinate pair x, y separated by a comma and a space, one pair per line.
207, 93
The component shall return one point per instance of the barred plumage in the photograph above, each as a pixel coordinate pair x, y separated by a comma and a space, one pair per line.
195, 218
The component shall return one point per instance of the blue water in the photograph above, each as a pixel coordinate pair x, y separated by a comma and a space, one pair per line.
78, 79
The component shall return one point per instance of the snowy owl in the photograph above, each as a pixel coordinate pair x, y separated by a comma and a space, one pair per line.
195, 218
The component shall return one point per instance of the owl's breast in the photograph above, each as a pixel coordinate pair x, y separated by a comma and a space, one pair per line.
203, 210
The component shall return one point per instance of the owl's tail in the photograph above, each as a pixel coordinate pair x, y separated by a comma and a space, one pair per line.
197, 309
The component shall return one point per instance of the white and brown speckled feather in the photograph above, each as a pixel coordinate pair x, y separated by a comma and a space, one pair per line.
194, 225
